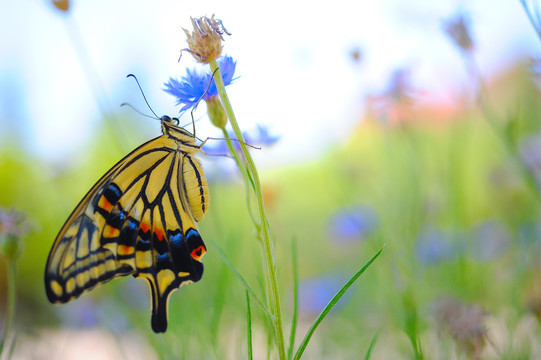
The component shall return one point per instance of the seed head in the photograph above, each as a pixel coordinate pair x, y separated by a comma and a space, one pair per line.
62, 5
205, 41
465, 324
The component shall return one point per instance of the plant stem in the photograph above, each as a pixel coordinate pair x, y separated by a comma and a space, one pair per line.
263, 230
5, 345
295, 299
249, 332
244, 172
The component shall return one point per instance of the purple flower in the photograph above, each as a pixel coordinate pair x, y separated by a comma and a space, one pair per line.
458, 30
393, 104
351, 225
399, 87
191, 87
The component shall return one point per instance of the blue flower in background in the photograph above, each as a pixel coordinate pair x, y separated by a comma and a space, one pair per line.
536, 68
260, 137
351, 225
433, 246
315, 294
83, 313
490, 239
530, 154
191, 87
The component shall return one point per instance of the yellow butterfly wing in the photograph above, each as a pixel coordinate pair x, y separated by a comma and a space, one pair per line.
138, 219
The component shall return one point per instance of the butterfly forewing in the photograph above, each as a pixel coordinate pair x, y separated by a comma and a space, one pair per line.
138, 219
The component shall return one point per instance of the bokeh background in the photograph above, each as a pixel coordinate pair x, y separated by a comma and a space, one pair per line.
411, 124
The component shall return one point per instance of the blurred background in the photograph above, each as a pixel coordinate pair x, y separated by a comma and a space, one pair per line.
411, 124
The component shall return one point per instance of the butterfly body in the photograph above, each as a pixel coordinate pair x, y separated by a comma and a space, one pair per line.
138, 219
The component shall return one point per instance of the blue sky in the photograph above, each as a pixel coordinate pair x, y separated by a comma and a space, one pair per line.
296, 74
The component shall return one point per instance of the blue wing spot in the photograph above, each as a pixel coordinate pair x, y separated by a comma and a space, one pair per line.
132, 224
192, 234
175, 239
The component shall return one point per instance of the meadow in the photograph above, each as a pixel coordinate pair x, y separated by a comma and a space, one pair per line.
449, 194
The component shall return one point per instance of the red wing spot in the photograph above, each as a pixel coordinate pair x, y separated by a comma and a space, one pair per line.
145, 227
105, 204
198, 253
159, 233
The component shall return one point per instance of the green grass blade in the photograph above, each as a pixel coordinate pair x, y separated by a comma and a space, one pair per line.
249, 320
295, 299
243, 281
331, 304
371, 347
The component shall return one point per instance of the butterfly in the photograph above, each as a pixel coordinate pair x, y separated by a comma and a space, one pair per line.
138, 219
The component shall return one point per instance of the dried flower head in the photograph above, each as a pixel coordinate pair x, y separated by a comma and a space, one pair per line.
62, 5
205, 41
458, 30
465, 324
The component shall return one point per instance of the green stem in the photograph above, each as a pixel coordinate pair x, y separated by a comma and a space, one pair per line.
5, 345
295, 299
249, 332
264, 226
244, 172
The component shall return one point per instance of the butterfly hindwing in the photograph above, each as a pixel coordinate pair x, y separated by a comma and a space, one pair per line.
138, 219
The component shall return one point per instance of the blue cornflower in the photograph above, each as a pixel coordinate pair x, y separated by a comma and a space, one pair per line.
350, 225
191, 87
261, 137
315, 293
433, 246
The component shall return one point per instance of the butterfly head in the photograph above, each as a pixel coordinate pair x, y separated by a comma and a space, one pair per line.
169, 119
171, 128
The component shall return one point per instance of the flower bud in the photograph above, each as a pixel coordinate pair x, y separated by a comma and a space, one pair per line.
216, 111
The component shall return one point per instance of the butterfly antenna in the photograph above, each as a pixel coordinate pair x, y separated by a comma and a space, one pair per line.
201, 98
142, 93
139, 112
238, 141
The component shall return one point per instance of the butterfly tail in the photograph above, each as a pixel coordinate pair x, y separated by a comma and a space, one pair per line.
159, 305
159, 314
